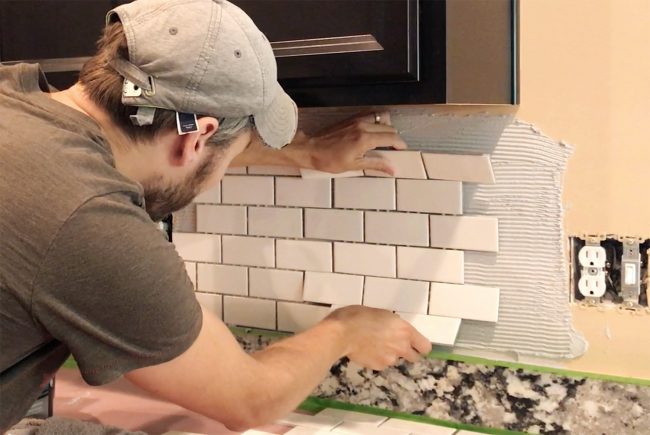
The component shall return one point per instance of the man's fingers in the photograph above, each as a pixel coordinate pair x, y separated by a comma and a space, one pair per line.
412, 356
376, 163
383, 139
420, 342
380, 118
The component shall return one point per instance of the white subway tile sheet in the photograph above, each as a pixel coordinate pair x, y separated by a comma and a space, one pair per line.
228, 219
365, 193
311, 173
362, 259
354, 428
430, 264
211, 302
331, 224
254, 190
430, 196
276, 284
254, 313
301, 192
418, 428
198, 247
474, 233
465, 301
304, 255
218, 278
439, 330
352, 416
248, 251
407, 164
310, 421
191, 272
210, 196
396, 294
333, 288
460, 167
275, 221
273, 170
397, 228
294, 317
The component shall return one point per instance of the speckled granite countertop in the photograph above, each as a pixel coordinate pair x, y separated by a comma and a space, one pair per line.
492, 397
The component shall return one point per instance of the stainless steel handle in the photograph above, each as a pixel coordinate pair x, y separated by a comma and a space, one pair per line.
321, 46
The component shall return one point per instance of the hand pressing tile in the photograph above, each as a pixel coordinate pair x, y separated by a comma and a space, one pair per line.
460, 167
407, 164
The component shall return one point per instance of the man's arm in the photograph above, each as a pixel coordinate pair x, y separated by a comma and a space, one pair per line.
216, 378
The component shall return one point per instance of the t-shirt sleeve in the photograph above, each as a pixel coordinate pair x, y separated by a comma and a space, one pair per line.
114, 290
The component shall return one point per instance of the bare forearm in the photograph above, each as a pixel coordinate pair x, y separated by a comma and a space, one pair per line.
296, 154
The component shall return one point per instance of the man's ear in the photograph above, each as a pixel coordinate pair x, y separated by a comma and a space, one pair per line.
188, 148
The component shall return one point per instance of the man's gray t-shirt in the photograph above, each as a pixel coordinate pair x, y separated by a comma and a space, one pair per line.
83, 269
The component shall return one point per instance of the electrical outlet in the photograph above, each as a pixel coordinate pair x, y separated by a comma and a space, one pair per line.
592, 260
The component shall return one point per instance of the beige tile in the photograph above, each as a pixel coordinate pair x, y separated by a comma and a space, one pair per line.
239, 170
460, 167
332, 224
198, 247
465, 301
211, 302
224, 219
273, 170
303, 430
409, 229
356, 428
191, 272
301, 192
396, 294
439, 330
364, 259
333, 288
365, 193
418, 428
254, 190
352, 416
211, 196
472, 233
304, 255
248, 251
276, 284
294, 317
254, 313
275, 221
218, 278
430, 264
430, 196
311, 173
407, 164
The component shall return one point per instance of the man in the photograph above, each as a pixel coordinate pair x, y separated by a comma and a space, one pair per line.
178, 91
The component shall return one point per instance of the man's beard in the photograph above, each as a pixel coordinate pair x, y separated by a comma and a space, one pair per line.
162, 198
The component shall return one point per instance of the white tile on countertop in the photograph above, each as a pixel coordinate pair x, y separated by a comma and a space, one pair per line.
309, 421
219, 278
465, 301
302, 430
353, 416
418, 428
407, 164
273, 170
430, 196
239, 170
294, 317
460, 167
396, 294
301, 192
275, 221
254, 313
311, 173
332, 224
198, 247
304, 255
431, 264
411, 229
254, 190
362, 259
333, 288
472, 233
210, 196
191, 272
248, 251
211, 302
365, 193
276, 284
228, 219
355, 428
439, 330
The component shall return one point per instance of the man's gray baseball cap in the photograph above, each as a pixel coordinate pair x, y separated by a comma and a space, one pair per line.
205, 57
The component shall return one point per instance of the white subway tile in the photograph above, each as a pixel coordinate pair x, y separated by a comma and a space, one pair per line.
276, 284
228, 219
430, 264
255, 190
312, 422
198, 247
407, 164
418, 428
365, 193
273, 170
311, 173
239, 170
304, 255
303, 430
397, 228
430, 196
211, 302
333, 288
439, 330
294, 317
472, 233
465, 301
355, 428
275, 221
254, 313
248, 251
396, 294
217, 278
211, 196
301, 192
352, 416
332, 224
364, 259
460, 167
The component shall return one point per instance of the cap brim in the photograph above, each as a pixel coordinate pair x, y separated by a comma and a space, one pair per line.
277, 123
